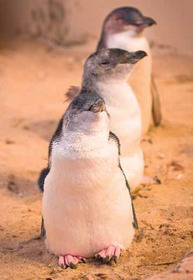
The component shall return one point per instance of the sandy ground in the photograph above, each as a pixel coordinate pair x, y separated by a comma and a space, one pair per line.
33, 80
181, 271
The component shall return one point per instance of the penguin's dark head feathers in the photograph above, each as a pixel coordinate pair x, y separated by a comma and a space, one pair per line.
88, 101
85, 113
111, 63
127, 18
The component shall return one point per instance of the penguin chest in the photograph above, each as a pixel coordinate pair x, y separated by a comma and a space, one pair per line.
125, 122
125, 115
88, 212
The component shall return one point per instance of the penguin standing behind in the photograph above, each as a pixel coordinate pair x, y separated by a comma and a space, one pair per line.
124, 28
106, 72
87, 206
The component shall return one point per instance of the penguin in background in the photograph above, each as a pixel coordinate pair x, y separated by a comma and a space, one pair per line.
106, 72
87, 206
124, 28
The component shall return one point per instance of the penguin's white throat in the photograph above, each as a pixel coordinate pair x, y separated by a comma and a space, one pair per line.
114, 92
125, 34
84, 142
87, 123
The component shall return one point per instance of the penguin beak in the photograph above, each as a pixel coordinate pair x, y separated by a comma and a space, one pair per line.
133, 57
146, 22
149, 21
98, 107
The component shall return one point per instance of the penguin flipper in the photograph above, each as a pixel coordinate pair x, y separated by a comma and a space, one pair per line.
156, 105
46, 170
72, 93
43, 231
114, 138
42, 177
135, 223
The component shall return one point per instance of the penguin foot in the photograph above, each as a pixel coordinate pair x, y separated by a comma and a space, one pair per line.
110, 253
150, 180
70, 261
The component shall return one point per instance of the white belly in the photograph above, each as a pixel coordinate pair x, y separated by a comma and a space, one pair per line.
140, 79
86, 207
125, 122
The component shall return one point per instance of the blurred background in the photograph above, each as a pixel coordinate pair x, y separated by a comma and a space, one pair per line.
75, 21
43, 46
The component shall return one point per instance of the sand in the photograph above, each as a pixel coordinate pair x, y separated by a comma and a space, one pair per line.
33, 80
183, 270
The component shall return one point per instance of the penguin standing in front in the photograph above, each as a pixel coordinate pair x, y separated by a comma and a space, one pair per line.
124, 28
87, 206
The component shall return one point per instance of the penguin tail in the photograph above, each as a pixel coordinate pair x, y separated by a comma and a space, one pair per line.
156, 105
72, 93
42, 177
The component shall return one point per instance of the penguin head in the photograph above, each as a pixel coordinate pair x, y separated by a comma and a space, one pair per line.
86, 114
113, 64
127, 19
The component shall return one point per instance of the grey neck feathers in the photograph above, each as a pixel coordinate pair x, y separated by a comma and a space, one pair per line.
89, 83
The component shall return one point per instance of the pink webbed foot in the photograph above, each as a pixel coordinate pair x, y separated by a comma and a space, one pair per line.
150, 180
70, 261
110, 253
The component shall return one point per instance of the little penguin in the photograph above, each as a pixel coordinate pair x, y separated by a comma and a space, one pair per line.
124, 28
106, 72
87, 206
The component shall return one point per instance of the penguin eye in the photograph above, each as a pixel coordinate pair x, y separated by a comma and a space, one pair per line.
105, 62
119, 20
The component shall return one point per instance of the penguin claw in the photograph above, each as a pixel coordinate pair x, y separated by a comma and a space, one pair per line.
72, 266
70, 261
150, 180
108, 254
106, 260
157, 180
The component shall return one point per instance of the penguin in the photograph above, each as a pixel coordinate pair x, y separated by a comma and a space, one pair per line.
106, 72
124, 28
87, 206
